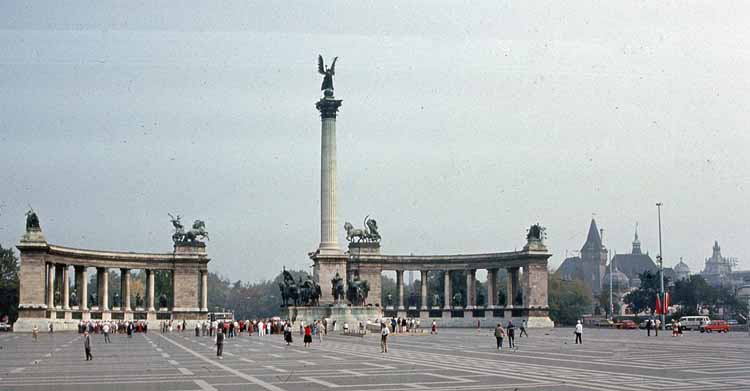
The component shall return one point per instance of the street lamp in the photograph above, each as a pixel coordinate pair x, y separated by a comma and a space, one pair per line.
661, 267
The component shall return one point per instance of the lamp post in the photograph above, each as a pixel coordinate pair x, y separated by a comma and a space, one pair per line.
611, 304
661, 267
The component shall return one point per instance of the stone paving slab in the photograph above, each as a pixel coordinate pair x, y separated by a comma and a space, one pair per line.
452, 360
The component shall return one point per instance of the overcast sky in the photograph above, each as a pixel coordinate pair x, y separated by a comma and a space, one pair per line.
462, 124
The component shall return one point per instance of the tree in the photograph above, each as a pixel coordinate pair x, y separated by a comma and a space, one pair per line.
9, 282
692, 293
644, 298
603, 300
568, 300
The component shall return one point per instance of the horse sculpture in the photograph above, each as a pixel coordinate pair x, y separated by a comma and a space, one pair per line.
197, 232
289, 290
368, 234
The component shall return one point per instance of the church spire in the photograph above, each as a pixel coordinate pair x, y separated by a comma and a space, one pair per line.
636, 241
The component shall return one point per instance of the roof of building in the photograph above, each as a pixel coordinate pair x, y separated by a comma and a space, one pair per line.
619, 279
570, 269
593, 240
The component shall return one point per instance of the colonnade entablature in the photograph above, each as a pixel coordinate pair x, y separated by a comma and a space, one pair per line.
45, 294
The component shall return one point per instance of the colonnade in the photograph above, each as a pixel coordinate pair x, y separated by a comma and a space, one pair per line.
512, 289
57, 282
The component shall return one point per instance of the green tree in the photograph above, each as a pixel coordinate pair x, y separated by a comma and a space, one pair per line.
9, 282
568, 300
644, 298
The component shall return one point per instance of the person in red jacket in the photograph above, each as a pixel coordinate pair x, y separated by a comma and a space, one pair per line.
308, 335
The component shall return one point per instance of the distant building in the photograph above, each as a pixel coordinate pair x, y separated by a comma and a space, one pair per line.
718, 269
681, 271
635, 263
591, 265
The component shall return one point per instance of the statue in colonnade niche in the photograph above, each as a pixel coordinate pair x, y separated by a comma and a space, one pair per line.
73, 298
436, 300
458, 300
163, 301
138, 300
116, 300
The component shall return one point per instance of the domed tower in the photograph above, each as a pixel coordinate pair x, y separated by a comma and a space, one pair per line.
681, 270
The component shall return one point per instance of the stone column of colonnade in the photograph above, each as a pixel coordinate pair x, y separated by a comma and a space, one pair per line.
491, 288
65, 288
447, 291
82, 284
102, 280
471, 278
51, 286
204, 290
400, 285
423, 286
125, 291
512, 288
150, 290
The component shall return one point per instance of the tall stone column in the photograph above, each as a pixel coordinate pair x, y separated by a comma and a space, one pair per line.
491, 287
150, 293
423, 284
400, 285
65, 287
51, 286
204, 291
58, 284
447, 291
82, 282
512, 287
125, 289
103, 279
471, 277
328, 107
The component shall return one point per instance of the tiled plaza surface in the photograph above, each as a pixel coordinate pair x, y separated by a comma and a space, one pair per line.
453, 360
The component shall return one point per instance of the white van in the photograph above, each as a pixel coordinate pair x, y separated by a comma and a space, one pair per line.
694, 322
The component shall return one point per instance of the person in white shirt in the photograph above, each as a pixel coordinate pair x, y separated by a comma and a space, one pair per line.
261, 329
384, 331
578, 332
105, 330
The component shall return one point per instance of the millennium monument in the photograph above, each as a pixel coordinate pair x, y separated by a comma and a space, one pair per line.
45, 294
346, 286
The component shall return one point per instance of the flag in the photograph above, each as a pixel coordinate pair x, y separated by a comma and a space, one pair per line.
658, 305
666, 302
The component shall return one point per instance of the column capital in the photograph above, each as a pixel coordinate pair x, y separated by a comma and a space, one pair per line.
328, 107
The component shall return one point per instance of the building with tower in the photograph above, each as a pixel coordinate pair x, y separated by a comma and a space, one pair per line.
591, 265
635, 263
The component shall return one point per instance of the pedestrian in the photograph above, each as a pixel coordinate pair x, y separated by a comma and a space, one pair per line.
579, 332
523, 329
384, 331
434, 327
648, 327
220, 343
51, 328
35, 332
105, 330
321, 331
499, 334
288, 333
479, 326
511, 335
87, 346
308, 335
197, 330
658, 325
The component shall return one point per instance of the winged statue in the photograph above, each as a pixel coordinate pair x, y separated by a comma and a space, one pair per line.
327, 73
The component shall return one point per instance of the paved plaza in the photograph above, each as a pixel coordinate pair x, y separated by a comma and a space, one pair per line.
457, 359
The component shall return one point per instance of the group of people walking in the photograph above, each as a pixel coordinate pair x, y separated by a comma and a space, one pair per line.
510, 332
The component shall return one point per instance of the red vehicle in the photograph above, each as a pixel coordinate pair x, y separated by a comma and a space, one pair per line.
628, 325
715, 325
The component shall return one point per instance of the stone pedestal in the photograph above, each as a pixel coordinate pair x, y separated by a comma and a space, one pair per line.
340, 313
367, 272
325, 268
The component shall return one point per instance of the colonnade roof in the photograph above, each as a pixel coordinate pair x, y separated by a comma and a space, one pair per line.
183, 255
450, 262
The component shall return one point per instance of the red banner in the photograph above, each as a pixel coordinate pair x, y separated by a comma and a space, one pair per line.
666, 302
658, 305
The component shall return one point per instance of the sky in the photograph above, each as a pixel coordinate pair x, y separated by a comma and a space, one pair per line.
462, 124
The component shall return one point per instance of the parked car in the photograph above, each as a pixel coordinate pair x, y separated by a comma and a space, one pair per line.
732, 322
720, 326
694, 322
5, 326
603, 323
627, 325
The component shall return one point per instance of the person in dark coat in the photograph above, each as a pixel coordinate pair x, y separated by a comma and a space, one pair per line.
87, 345
220, 343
